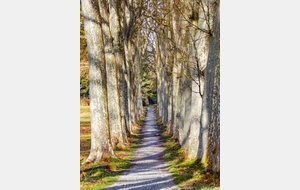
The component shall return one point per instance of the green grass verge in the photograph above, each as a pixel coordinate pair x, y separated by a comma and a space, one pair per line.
103, 177
185, 171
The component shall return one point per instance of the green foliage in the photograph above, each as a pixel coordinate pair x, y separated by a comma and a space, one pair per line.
84, 81
148, 88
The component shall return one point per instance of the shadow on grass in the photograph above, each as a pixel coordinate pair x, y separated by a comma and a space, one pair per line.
102, 177
186, 172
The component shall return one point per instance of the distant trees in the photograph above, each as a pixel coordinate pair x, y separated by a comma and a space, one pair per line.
84, 80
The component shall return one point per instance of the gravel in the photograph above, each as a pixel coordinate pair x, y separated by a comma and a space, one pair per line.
148, 169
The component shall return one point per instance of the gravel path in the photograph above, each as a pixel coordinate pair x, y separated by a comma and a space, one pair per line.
148, 169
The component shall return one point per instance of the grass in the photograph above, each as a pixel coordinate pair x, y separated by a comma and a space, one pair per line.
103, 177
185, 171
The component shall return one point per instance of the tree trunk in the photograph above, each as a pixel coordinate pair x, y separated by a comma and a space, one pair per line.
170, 100
175, 72
158, 78
187, 99
187, 115
118, 135
128, 66
136, 79
167, 68
139, 103
201, 44
211, 105
100, 135
182, 111
131, 87
115, 27
162, 54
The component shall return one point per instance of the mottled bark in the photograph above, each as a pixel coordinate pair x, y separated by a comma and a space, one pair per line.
115, 26
132, 74
196, 102
100, 134
136, 79
182, 111
176, 74
187, 97
185, 104
175, 103
129, 89
211, 107
128, 25
201, 44
165, 97
166, 94
139, 103
158, 79
186, 87
187, 115
162, 82
168, 87
162, 94
118, 135
170, 100
162, 89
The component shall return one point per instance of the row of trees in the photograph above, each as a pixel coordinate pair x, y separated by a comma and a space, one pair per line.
130, 41
188, 74
115, 46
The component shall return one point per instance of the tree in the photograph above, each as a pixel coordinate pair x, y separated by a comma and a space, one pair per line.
118, 134
117, 34
211, 106
100, 134
200, 43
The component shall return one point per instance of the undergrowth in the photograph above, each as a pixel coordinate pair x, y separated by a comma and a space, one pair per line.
112, 167
186, 172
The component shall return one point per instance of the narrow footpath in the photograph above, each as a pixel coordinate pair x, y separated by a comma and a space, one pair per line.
148, 169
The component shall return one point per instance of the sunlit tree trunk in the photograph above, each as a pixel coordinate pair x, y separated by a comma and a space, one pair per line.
164, 83
131, 86
139, 103
128, 22
187, 98
170, 82
136, 79
134, 105
201, 44
184, 92
182, 111
115, 27
117, 134
211, 104
176, 75
162, 89
158, 78
161, 54
100, 135
187, 114
170, 101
